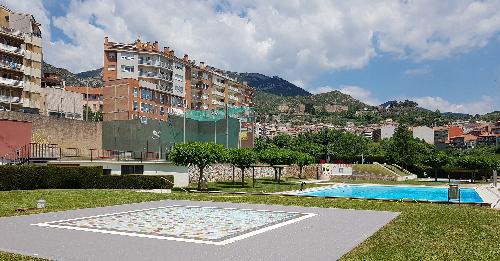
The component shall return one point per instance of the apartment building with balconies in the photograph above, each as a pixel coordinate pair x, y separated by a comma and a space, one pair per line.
211, 88
167, 84
161, 77
20, 62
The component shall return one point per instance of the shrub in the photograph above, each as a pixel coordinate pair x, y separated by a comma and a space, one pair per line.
49, 177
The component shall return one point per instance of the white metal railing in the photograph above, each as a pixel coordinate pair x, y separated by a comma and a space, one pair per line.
11, 82
218, 93
148, 85
204, 96
233, 97
217, 102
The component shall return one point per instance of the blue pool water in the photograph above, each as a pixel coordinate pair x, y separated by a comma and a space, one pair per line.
395, 192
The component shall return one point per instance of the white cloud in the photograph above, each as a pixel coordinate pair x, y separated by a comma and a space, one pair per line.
481, 106
294, 39
356, 92
418, 71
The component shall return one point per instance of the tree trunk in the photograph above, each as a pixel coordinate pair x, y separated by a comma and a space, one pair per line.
275, 174
200, 178
435, 174
300, 172
242, 177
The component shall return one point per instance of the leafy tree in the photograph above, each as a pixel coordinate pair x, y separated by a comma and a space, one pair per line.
302, 160
283, 140
242, 158
347, 145
199, 154
276, 157
436, 160
263, 143
403, 149
90, 115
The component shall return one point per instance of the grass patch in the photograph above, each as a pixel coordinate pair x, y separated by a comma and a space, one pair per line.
373, 169
261, 185
421, 232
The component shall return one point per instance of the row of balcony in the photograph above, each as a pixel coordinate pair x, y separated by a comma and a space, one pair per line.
218, 102
218, 93
11, 65
156, 64
11, 99
232, 97
155, 75
11, 49
155, 86
11, 82
11, 32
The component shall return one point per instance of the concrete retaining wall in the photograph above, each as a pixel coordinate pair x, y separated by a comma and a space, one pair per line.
66, 133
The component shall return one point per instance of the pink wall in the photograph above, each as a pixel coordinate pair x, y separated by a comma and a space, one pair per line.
13, 134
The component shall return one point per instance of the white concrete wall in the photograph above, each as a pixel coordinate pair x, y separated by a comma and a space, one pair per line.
133, 61
387, 131
180, 173
60, 100
425, 133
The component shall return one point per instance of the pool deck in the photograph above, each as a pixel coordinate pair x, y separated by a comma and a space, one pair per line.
319, 234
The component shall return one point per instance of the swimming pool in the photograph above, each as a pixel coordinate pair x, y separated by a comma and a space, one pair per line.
421, 193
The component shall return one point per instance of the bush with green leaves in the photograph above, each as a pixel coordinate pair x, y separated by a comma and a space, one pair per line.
242, 158
29, 177
199, 154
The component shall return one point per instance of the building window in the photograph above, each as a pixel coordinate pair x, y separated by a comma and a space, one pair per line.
111, 55
135, 92
162, 111
111, 67
162, 98
126, 68
134, 105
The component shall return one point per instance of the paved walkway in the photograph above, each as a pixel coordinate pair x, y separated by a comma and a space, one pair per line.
191, 230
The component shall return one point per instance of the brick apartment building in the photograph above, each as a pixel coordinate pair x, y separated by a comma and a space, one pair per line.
20, 61
142, 80
92, 97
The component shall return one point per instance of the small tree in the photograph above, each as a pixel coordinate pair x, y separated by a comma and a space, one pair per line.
199, 154
276, 157
242, 158
436, 160
302, 160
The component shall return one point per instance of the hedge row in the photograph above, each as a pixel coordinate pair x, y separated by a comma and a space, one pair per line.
46, 177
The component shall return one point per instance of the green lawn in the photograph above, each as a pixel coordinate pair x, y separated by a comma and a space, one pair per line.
372, 169
265, 185
421, 232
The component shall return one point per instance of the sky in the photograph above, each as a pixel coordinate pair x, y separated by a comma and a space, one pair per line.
445, 54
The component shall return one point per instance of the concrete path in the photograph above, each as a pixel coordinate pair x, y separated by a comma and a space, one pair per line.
263, 232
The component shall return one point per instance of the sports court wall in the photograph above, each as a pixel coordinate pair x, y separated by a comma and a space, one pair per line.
134, 135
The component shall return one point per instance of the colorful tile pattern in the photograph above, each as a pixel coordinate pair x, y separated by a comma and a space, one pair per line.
187, 222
